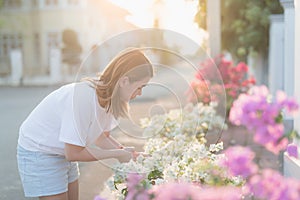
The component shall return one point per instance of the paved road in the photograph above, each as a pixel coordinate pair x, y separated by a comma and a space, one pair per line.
15, 105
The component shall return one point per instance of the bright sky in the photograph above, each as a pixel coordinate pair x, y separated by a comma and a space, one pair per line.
175, 15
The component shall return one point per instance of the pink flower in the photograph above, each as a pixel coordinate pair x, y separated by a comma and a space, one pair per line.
242, 67
201, 91
239, 161
133, 179
262, 186
176, 191
260, 91
272, 185
183, 191
263, 117
143, 195
135, 190
276, 147
289, 103
292, 150
265, 134
98, 198
222, 73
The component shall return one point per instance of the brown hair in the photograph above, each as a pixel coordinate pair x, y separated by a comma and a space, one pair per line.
135, 65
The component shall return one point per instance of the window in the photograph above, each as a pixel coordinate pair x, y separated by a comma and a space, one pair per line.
35, 3
37, 47
53, 42
37, 42
9, 42
12, 3
51, 2
73, 2
53, 39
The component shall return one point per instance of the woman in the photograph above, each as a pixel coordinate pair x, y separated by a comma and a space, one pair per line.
62, 128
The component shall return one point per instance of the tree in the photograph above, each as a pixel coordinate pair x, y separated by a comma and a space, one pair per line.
244, 25
72, 49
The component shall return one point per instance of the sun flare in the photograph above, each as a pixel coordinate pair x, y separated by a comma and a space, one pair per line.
175, 15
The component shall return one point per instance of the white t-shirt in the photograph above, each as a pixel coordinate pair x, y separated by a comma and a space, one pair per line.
70, 114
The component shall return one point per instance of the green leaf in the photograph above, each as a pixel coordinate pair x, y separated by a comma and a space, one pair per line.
245, 26
124, 191
115, 184
293, 134
279, 118
155, 174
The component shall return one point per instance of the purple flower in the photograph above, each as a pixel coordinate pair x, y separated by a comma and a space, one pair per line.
263, 117
182, 191
133, 179
239, 159
289, 103
262, 135
260, 91
268, 133
136, 190
262, 186
98, 198
277, 146
272, 185
292, 150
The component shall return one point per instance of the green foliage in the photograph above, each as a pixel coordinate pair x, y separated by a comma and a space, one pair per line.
245, 25
155, 174
200, 17
124, 191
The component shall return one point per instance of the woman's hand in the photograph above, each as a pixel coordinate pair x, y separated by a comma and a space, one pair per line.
130, 149
125, 156
129, 153
136, 154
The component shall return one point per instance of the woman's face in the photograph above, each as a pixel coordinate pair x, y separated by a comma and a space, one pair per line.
130, 90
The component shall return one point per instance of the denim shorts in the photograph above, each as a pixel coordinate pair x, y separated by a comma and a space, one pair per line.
45, 174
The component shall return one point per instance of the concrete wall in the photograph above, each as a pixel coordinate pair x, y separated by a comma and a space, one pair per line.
292, 165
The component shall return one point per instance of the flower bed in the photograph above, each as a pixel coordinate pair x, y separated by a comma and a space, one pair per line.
178, 151
186, 155
183, 165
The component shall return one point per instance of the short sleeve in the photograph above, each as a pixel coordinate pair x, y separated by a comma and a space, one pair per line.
113, 124
77, 115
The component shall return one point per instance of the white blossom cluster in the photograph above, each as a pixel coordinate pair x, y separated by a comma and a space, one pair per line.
192, 120
177, 149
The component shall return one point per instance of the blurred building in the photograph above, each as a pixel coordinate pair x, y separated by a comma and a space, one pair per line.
41, 41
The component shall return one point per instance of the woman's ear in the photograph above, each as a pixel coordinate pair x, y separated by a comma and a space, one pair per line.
124, 81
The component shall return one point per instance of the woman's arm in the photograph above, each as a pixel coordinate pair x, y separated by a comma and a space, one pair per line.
78, 153
105, 141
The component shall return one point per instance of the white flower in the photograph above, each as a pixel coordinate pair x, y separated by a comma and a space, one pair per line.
176, 148
216, 147
110, 184
159, 181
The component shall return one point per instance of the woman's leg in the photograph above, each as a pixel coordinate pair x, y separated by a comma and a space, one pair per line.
73, 190
62, 196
